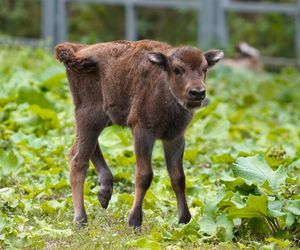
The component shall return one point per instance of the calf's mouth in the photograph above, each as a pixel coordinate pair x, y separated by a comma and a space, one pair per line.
196, 104
193, 104
189, 104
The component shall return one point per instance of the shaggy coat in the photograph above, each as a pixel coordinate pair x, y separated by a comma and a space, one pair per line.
149, 86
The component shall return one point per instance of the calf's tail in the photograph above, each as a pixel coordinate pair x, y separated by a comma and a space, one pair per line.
66, 53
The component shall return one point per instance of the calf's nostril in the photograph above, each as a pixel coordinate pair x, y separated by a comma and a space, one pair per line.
196, 94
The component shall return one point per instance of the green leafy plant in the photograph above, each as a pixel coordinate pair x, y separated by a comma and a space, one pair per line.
241, 161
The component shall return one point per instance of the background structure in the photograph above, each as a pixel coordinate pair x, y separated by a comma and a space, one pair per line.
271, 26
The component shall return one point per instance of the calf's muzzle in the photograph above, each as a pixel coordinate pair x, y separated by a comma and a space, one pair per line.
195, 94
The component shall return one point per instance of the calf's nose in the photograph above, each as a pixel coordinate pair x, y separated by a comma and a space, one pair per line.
196, 94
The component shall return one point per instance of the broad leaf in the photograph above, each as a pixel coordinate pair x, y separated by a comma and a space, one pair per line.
9, 163
256, 206
255, 169
275, 208
33, 95
293, 206
214, 223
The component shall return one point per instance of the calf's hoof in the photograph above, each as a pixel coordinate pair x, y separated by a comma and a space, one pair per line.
80, 221
185, 218
135, 219
104, 196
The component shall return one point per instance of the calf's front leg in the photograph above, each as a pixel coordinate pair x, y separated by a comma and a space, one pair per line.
173, 155
143, 146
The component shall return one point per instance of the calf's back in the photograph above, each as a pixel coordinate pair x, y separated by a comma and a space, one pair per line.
118, 78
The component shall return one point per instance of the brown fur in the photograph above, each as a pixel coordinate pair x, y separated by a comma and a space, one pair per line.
148, 86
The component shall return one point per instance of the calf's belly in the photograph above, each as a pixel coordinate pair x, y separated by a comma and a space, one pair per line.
117, 114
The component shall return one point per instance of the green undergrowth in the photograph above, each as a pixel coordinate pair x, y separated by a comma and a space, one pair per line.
242, 163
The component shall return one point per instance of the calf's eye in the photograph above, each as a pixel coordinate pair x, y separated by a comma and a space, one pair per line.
177, 71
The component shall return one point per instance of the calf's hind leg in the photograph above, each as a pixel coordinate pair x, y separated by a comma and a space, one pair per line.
104, 176
88, 127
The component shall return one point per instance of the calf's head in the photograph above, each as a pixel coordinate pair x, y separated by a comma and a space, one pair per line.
186, 68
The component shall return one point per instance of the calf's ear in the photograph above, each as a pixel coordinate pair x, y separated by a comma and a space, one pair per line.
213, 56
157, 58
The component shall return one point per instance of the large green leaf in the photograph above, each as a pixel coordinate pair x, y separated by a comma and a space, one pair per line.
293, 206
33, 95
145, 243
9, 163
219, 226
275, 208
256, 206
213, 222
255, 169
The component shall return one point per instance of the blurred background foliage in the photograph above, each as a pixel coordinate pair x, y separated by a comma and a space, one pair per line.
272, 33
20, 18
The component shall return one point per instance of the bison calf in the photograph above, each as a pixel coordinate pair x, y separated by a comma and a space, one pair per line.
151, 87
